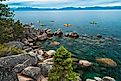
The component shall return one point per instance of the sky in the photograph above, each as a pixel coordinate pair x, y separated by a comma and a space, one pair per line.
61, 3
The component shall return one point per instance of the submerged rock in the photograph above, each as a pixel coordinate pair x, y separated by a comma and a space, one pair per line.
54, 43
107, 62
85, 63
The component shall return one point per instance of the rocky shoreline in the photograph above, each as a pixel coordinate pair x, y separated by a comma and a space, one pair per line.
35, 62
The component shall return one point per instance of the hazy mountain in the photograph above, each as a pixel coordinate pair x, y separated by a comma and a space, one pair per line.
68, 8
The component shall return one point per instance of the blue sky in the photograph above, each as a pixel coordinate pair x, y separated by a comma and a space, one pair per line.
62, 3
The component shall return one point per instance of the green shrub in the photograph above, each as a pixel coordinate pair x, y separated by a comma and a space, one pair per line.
6, 50
62, 69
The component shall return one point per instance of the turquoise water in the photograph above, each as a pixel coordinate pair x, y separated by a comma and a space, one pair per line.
108, 24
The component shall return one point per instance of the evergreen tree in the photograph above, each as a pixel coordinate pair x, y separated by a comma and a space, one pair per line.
62, 69
9, 29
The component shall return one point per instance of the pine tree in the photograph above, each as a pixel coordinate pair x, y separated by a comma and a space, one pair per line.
5, 12
62, 69
9, 29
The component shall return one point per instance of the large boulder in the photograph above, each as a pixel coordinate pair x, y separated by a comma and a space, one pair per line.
99, 36
72, 35
44, 68
33, 72
11, 61
18, 68
7, 74
107, 62
58, 32
49, 33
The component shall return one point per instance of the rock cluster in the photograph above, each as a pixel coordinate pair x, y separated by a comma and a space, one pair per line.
24, 67
32, 36
34, 63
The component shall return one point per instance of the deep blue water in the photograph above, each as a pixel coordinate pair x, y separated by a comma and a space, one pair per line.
108, 24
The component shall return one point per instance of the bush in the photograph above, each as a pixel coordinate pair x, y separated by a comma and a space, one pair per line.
6, 50
62, 69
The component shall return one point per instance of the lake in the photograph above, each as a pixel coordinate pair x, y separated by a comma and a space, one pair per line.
108, 22
108, 25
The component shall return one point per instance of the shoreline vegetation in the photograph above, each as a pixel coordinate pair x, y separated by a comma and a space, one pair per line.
23, 59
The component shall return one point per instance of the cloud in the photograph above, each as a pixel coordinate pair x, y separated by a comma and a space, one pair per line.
62, 3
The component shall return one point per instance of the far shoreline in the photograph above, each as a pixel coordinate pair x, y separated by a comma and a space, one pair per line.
67, 10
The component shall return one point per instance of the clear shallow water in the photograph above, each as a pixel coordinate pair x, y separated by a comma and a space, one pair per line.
108, 24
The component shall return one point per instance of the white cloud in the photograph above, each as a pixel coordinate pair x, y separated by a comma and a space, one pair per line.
40, 1
63, 3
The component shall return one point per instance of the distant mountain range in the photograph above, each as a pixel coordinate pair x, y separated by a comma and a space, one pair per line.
67, 8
